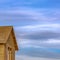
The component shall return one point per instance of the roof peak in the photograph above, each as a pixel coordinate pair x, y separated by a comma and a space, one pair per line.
5, 33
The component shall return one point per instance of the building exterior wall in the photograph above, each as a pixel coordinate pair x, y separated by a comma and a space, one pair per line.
10, 41
13, 55
2, 52
10, 44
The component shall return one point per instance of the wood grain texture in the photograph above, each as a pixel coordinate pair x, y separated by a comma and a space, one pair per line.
8, 44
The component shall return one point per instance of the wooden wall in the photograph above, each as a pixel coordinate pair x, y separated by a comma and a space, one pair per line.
10, 44
2, 52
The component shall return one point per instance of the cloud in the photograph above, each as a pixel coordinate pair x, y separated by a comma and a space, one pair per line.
42, 15
51, 29
49, 43
39, 43
22, 57
40, 27
42, 35
37, 29
52, 41
23, 16
39, 34
34, 48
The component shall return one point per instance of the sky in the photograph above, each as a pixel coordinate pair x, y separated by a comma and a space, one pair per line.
37, 27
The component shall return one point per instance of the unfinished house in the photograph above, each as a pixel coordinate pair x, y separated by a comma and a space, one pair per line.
8, 44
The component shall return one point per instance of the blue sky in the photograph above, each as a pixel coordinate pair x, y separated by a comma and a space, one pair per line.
37, 27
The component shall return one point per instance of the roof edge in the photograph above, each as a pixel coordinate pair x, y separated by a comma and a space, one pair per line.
16, 46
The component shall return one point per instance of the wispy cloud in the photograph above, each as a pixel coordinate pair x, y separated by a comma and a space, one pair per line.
52, 27
22, 57
37, 29
49, 43
43, 35
46, 16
